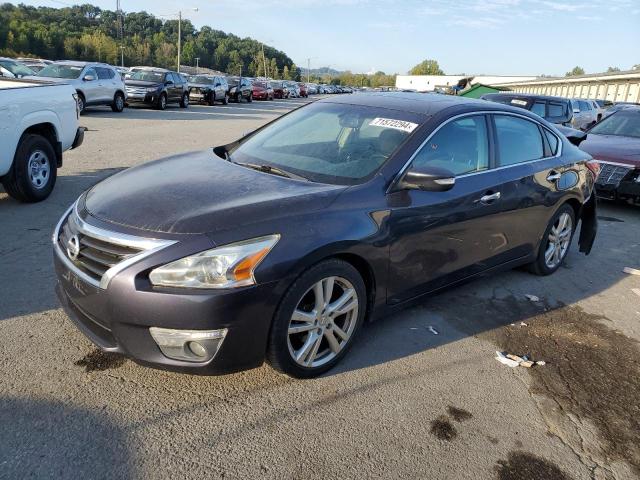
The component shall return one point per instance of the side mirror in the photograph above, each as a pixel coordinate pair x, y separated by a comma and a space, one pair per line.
430, 179
88, 78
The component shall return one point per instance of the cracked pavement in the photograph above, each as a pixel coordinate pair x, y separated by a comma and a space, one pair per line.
404, 403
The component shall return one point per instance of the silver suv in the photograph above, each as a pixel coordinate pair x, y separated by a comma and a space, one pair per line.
96, 83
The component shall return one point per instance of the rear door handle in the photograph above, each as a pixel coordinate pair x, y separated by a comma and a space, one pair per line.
553, 176
490, 198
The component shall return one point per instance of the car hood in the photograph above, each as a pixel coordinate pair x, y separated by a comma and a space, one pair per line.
141, 83
201, 193
613, 148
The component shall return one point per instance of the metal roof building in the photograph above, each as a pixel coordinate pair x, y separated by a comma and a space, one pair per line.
614, 86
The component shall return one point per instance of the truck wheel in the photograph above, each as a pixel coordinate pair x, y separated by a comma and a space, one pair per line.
118, 102
33, 173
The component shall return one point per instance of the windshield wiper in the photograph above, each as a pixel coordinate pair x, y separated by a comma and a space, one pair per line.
272, 170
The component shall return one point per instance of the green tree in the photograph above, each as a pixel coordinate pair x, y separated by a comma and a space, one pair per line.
576, 71
612, 69
285, 73
426, 67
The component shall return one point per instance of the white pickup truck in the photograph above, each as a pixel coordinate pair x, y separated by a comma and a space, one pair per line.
38, 121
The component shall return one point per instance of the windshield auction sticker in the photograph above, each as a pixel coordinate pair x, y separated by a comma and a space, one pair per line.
395, 124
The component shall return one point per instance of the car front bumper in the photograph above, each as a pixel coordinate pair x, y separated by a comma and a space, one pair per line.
118, 318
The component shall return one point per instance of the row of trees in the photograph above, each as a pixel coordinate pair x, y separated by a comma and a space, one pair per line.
87, 32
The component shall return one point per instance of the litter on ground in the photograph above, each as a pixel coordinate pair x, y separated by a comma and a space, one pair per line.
432, 330
532, 298
631, 271
511, 360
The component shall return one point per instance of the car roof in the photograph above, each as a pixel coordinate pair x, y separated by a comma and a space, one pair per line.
420, 103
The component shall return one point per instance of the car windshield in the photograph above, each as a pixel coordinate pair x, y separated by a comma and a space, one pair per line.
147, 76
329, 143
16, 68
624, 123
60, 70
201, 79
260, 84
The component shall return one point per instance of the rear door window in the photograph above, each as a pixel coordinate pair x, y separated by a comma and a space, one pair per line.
584, 106
461, 146
555, 109
538, 108
519, 140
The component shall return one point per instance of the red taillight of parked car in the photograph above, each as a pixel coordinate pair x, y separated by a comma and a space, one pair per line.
594, 167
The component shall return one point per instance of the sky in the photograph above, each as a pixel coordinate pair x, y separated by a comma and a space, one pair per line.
498, 37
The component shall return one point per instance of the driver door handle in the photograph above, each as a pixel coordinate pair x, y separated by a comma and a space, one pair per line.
553, 176
490, 198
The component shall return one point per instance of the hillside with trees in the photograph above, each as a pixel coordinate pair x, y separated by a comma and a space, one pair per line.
87, 32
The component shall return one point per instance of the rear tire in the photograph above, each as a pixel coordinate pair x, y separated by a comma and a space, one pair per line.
555, 243
238, 98
34, 170
250, 99
334, 330
225, 100
212, 99
118, 103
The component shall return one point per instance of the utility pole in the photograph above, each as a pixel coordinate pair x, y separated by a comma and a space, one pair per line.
264, 61
180, 34
120, 31
308, 69
179, 37
197, 65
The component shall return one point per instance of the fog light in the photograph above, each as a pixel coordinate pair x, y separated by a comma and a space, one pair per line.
188, 345
197, 349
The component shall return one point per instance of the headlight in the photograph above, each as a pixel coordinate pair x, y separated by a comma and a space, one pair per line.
151, 89
228, 266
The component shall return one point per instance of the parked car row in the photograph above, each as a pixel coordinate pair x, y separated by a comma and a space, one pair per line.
610, 135
99, 83
578, 113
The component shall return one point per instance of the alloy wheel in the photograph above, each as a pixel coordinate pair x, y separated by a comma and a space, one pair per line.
39, 169
558, 240
119, 102
323, 322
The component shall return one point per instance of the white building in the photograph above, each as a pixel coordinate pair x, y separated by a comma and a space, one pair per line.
429, 83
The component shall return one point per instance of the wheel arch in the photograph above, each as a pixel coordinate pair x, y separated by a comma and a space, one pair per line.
48, 131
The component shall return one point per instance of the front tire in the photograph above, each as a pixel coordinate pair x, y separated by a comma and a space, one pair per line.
225, 100
250, 99
212, 99
162, 102
317, 320
555, 242
82, 104
118, 103
34, 170
184, 102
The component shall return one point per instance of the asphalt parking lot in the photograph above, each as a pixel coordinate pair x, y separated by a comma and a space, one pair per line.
406, 403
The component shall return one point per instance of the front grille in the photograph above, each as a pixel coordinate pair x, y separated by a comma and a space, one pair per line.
612, 174
136, 91
95, 256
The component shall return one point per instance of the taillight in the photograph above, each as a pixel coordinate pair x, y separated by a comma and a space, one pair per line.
594, 166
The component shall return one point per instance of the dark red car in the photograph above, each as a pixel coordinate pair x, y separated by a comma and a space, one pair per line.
303, 90
262, 91
279, 90
615, 143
